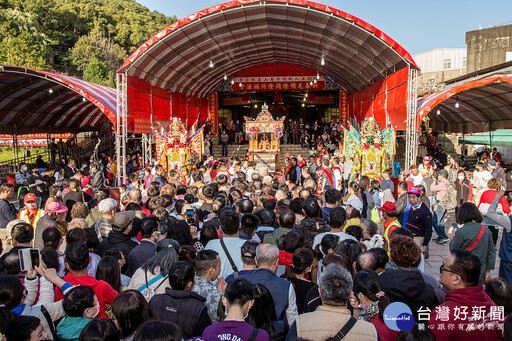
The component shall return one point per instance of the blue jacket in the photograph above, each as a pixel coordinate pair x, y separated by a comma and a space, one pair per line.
279, 288
139, 254
419, 222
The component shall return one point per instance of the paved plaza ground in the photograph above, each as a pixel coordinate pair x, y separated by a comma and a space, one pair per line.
438, 252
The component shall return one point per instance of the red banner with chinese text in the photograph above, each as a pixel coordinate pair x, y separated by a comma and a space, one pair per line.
141, 125
37, 136
325, 100
278, 83
213, 112
239, 100
344, 108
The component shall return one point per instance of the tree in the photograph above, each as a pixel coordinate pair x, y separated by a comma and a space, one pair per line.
97, 72
96, 46
66, 35
24, 50
21, 44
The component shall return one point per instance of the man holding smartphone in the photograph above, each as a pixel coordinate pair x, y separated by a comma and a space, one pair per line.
22, 234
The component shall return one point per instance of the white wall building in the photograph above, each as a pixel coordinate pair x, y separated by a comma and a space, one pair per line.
442, 60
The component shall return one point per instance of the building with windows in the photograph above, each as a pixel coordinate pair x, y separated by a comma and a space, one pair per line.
439, 65
488, 47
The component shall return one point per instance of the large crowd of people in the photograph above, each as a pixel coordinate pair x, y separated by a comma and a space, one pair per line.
228, 251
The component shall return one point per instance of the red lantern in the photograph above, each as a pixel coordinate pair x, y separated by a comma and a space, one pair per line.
366, 146
376, 145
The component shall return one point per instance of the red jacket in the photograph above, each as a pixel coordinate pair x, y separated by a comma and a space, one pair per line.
383, 331
102, 289
489, 195
449, 322
285, 258
410, 184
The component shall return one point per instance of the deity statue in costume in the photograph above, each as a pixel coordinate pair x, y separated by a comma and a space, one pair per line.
176, 139
177, 146
264, 133
371, 149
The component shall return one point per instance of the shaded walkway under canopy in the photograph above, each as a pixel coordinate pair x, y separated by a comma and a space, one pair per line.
34, 101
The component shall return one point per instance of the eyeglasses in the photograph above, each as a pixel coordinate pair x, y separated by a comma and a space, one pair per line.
442, 268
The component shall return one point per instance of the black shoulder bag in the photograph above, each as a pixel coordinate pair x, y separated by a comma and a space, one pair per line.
235, 269
344, 330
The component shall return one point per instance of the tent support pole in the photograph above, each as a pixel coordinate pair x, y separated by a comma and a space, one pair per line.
411, 135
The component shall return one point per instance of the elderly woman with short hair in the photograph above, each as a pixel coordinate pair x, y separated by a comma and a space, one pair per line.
371, 238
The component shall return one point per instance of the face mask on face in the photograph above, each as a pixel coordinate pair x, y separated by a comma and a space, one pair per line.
25, 169
361, 304
31, 206
97, 307
461, 178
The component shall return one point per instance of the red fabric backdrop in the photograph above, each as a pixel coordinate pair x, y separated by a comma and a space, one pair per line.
371, 101
144, 99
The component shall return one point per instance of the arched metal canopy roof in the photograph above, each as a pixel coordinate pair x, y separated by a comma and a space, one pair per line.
484, 104
240, 34
39, 102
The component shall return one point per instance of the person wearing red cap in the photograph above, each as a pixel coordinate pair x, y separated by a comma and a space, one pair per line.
30, 213
390, 221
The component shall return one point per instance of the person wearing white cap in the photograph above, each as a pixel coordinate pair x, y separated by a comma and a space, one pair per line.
353, 208
107, 208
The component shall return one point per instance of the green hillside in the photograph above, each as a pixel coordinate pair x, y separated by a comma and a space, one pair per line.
84, 38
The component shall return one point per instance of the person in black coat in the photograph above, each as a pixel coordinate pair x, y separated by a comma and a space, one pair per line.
403, 285
180, 305
150, 232
76, 194
97, 179
119, 236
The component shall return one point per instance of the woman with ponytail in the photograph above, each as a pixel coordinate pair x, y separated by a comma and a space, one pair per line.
302, 261
369, 302
354, 191
326, 246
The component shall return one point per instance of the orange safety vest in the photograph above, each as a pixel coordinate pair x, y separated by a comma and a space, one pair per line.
388, 227
23, 215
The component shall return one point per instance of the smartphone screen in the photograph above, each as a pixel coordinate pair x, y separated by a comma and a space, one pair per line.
34, 257
191, 218
24, 266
